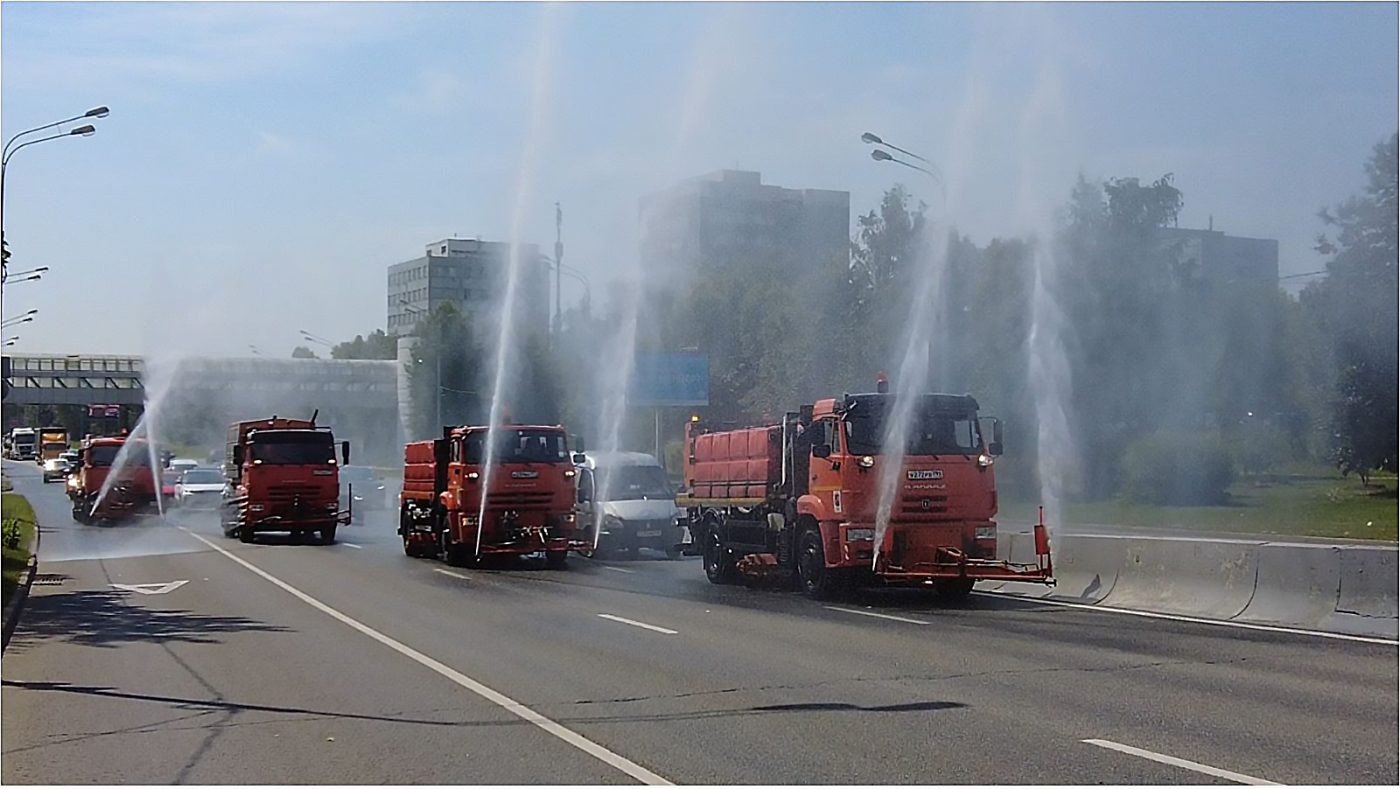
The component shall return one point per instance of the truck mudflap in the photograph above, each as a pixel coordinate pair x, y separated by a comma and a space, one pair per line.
952, 563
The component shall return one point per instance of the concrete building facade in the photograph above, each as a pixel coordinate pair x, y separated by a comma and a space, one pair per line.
1224, 259
469, 273
730, 217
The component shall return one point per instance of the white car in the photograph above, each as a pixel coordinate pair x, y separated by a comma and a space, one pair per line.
200, 488
182, 464
55, 469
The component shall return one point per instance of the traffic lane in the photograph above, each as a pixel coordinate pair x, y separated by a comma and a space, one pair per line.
747, 709
228, 679
675, 581
64, 539
1185, 688
1344, 719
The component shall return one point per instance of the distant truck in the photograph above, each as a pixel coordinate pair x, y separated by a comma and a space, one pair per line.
131, 492
23, 443
529, 507
53, 441
799, 499
281, 475
627, 498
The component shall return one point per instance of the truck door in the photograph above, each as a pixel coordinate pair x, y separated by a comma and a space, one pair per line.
824, 476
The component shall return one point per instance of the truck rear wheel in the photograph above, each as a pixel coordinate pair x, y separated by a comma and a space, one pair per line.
557, 560
245, 533
813, 577
953, 589
719, 565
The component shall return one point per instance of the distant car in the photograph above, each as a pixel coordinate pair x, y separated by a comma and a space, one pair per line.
55, 469
200, 488
73, 458
182, 464
168, 479
368, 489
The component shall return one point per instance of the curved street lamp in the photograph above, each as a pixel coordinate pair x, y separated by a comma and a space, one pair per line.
437, 358
10, 148
885, 156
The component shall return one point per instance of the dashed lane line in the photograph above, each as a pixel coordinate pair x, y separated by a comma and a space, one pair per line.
620, 763
1204, 769
877, 616
635, 623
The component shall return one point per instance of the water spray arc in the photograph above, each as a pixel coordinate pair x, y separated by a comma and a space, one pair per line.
506, 338
915, 366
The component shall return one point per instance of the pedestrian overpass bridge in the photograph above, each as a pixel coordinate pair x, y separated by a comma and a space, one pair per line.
359, 399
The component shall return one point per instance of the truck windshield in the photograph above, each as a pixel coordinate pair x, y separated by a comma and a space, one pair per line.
105, 455
631, 483
292, 448
519, 446
931, 432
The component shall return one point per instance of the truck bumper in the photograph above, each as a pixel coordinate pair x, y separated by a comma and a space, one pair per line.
951, 563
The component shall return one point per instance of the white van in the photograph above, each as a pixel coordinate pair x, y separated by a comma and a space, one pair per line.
628, 496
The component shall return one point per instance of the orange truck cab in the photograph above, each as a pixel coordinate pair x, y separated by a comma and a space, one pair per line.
801, 499
133, 490
529, 507
281, 475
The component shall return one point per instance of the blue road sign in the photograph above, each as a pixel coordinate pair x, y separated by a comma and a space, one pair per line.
661, 380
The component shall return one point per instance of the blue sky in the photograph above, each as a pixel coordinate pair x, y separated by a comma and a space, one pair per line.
264, 162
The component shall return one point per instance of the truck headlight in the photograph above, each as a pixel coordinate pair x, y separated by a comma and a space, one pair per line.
984, 461
867, 462
470, 520
568, 517
859, 535
255, 508
333, 506
986, 532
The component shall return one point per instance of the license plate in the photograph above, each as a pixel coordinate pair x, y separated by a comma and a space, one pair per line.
651, 533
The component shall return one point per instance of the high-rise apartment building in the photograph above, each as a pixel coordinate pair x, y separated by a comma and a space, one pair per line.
469, 273
731, 217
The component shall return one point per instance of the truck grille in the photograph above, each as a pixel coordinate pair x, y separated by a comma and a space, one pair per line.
534, 500
923, 508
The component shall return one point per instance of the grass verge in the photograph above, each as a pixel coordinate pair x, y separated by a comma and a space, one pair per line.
16, 510
1319, 505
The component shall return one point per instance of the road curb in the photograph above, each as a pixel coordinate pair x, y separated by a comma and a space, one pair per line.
16, 605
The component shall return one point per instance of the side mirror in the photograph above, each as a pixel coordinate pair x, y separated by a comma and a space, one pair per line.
238, 455
995, 447
821, 451
345, 453
579, 458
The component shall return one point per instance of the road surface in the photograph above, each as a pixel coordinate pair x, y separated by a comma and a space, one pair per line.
162, 652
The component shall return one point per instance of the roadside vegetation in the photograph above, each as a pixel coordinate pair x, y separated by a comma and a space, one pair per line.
1313, 503
17, 524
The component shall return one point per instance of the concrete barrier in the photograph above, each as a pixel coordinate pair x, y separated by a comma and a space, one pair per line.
1296, 585
1337, 588
1207, 579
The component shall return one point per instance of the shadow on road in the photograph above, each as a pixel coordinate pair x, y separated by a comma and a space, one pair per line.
107, 619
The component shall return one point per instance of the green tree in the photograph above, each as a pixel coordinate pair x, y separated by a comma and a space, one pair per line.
448, 347
303, 352
1356, 307
376, 345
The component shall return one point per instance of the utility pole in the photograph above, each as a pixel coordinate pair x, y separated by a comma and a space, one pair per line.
558, 267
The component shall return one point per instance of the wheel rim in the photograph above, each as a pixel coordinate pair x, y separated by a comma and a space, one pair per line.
809, 565
712, 554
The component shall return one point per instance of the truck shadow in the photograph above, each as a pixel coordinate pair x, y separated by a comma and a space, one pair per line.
108, 619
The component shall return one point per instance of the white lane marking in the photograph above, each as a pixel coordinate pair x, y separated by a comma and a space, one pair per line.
635, 623
1390, 642
151, 588
351, 545
617, 569
1239, 778
878, 616
506, 703
449, 572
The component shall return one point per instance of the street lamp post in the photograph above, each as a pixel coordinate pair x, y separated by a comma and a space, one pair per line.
11, 149
309, 337
885, 156
437, 362
573, 273
18, 319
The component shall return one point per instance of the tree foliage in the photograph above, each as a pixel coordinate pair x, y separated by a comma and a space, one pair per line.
1355, 308
376, 345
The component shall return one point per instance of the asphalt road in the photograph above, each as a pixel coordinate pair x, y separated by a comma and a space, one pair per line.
278, 663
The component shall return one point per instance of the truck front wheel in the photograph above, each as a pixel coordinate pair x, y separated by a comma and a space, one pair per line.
557, 560
328, 535
816, 581
719, 565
